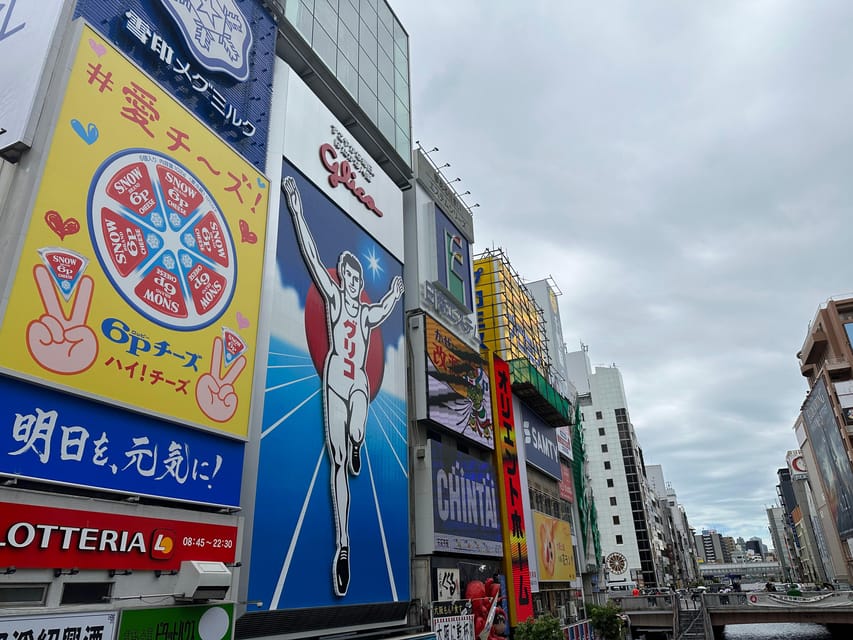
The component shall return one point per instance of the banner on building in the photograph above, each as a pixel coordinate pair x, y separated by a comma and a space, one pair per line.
453, 620
458, 390
540, 442
56, 437
567, 483
514, 529
554, 548
564, 441
139, 277
466, 518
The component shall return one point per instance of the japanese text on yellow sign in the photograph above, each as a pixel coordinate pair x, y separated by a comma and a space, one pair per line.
145, 250
554, 546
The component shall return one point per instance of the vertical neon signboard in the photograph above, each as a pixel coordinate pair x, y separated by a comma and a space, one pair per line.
516, 564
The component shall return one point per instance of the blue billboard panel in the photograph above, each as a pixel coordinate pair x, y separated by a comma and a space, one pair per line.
465, 508
540, 443
216, 58
454, 260
331, 523
54, 437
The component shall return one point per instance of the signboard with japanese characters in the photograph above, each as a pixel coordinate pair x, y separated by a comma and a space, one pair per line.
553, 548
447, 583
200, 622
37, 537
512, 513
216, 58
26, 30
92, 625
453, 619
52, 436
140, 271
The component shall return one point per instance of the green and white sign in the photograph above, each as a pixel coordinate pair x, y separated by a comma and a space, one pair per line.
197, 622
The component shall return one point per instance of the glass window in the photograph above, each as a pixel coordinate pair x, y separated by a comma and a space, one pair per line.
404, 144
301, 17
598, 415
368, 46
402, 66
609, 482
402, 111
367, 100
347, 43
612, 501
607, 464
385, 15
386, 40
367, 72
400, 37
86, 592
604, 448
327, 17
368, 5
325, 47
386, 100
366, 30
601, 431
386, 68
618, 539
22, 595
348, 15
386, 122
348, 75
615, 519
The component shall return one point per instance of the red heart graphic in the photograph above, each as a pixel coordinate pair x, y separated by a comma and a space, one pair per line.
59, 226
246, 234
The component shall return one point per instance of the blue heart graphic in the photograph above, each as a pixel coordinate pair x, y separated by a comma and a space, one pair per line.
89, 133
262, 184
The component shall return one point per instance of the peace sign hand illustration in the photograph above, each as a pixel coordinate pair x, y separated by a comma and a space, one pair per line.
59, 344
215, 395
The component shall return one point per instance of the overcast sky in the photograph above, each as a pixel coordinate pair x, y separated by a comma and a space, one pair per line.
684, 172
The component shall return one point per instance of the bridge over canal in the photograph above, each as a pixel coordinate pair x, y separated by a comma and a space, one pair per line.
704, 617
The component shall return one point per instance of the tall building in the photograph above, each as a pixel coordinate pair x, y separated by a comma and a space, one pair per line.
618, 475
678, 554
709, 545
782, 543
826, 361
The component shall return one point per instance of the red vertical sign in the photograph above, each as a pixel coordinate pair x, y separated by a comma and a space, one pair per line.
512, 516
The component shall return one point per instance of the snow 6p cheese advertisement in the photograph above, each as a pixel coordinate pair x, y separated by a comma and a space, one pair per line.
139, 276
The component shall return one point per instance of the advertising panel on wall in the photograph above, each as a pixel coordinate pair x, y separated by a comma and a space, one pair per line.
465, 508
567, 483
331, 520
512, 513
52, 436
216, 60
145, 250
830, 456
454, 260
554, 548
540, 443
198, 622
92, 625
508, 318
95, 540
452, 620
564, 442
458, 390
26, 31
796, 464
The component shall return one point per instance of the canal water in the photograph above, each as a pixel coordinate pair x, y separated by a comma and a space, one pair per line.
798, 631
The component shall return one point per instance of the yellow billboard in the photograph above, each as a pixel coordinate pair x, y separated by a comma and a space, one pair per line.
509, 320
554, 548
140, 271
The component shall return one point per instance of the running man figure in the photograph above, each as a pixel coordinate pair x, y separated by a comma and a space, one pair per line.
346, 391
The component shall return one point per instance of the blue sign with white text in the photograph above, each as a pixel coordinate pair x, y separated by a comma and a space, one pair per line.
216, 58
540, 443
51, 436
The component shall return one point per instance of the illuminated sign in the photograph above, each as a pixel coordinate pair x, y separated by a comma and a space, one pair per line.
554, 548
341, 173
567, 483
144, 250
453, 260
564, 441
36, 537
465, 511
540, 443
514, 528
443, 195
216, 60
796, 464
458, 395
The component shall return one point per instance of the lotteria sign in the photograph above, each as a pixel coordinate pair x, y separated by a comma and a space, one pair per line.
36, 537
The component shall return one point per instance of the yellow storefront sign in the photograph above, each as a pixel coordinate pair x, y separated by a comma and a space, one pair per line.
554, 548
139, 276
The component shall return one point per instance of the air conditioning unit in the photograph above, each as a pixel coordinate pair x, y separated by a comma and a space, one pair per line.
561, 614
202, 581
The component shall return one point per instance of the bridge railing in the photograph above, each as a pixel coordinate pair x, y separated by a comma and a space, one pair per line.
776, 600
645, 603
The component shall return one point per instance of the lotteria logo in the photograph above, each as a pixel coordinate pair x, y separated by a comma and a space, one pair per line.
342, 173
542, 444
53, 537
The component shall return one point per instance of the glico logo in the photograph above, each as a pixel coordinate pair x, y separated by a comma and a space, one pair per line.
341, 172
